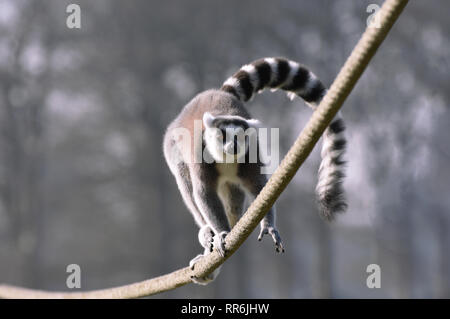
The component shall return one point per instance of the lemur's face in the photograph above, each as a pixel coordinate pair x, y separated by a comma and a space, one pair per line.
227, 136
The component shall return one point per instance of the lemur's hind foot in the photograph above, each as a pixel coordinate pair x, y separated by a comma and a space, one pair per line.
275, 236
206, 279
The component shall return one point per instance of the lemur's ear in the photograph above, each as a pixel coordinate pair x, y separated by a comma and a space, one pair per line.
254, 123
208, 119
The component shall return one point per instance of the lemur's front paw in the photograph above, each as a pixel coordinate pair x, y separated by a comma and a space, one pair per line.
275, 236
219, 243
206, 237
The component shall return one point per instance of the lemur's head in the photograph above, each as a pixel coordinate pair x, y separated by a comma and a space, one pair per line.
228, 136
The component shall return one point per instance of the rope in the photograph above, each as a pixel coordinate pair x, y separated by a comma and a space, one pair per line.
321, 118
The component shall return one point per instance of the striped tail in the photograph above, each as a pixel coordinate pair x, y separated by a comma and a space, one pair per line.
329, 189
296, 79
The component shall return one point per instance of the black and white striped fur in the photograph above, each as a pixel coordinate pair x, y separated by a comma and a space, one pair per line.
296, 79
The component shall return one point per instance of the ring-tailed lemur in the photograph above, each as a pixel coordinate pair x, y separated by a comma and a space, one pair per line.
215, 190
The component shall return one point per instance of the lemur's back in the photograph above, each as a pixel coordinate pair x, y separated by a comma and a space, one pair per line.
216, 102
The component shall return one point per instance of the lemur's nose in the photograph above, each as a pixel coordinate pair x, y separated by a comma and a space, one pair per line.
235, 144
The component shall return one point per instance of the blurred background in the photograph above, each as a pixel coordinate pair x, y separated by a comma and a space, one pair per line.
83, 179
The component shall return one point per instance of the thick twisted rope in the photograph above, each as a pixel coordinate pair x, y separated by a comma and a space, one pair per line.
321, 118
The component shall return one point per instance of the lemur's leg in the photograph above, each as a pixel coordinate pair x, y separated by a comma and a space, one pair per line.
185, 186
205, 233
180, 170
210, 206
254, 185
233, 199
